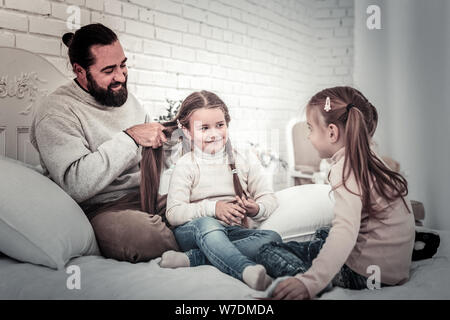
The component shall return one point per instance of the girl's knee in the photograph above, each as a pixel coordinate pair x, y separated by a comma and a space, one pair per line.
207, 224
322, 233
272, 236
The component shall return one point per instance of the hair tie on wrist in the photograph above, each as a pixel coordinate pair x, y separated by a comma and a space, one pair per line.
349, 106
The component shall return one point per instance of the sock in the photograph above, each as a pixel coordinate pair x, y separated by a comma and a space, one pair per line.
267, 281
174, 259
255, 277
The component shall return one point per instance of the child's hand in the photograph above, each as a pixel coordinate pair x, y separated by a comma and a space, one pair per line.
229, 212
250, 206
290, 289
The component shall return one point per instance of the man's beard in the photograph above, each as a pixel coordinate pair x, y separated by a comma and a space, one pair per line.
107, 97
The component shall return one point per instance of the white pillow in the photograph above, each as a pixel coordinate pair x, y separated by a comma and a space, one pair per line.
301, 211
39, 222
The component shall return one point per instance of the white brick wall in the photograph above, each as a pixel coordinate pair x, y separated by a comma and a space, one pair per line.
333, 28
264, 58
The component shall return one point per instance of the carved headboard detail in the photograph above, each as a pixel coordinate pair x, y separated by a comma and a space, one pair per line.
25, 77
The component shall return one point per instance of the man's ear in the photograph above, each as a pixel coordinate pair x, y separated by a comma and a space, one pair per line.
333, 133
79, 71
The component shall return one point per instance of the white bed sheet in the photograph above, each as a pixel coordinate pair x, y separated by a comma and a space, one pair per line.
429, 280
109, 279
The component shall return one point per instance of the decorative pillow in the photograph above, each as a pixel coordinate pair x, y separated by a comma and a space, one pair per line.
36, 168
39, 222
301, 211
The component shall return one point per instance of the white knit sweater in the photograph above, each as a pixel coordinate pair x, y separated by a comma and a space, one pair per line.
199, 180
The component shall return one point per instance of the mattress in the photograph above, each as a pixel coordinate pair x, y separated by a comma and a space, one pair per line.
102, 278
428, 280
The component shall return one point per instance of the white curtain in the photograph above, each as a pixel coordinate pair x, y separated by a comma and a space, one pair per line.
404, 68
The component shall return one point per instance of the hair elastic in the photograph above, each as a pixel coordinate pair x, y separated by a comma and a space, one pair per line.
234, 171
349, 106
180, 126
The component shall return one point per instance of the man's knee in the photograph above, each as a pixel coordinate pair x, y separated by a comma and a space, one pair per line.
132, 235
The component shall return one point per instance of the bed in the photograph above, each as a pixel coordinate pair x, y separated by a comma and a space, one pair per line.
108, 279
48, 249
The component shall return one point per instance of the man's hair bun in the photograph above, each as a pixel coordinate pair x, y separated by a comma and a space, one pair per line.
67, 38
80, 43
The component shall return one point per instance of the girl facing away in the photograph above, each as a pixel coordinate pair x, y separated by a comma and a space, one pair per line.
213, 190
373, 227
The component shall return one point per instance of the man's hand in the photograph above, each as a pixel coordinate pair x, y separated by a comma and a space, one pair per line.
250, 206
229, 212
290, 289
148, 134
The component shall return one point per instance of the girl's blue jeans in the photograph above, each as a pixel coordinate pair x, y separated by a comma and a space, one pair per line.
229, 248
291, 258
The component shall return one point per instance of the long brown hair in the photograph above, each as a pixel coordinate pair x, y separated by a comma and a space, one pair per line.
152, 159
352, 112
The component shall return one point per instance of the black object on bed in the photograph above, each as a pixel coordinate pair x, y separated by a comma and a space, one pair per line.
426, 245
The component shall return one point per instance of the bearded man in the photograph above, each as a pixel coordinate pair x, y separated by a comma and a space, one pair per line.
89, 134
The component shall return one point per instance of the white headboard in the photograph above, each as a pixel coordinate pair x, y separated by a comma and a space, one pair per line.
24, 78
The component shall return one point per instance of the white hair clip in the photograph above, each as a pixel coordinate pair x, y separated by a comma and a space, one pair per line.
327, 107
180, 126
234, 171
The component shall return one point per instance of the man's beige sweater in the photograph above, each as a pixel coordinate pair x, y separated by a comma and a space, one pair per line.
82, 145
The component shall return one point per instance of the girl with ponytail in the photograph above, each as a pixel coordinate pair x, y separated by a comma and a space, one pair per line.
373, 231
214, 190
